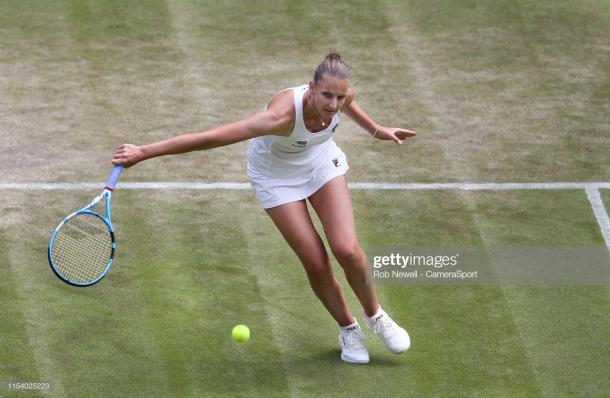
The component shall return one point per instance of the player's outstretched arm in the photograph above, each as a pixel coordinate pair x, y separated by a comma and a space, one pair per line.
263, 123
357, 114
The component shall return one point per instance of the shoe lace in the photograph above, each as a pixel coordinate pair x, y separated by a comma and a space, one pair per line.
352, 338
384, 327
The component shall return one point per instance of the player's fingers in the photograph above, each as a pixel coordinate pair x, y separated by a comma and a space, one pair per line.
124, 147
406, 133
119, 155
126, 155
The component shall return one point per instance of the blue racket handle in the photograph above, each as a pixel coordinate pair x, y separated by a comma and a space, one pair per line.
114, 177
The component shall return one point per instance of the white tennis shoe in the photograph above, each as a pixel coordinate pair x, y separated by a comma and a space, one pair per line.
395, 338
351, 339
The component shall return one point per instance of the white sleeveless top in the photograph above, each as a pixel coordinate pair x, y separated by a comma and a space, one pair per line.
276, 157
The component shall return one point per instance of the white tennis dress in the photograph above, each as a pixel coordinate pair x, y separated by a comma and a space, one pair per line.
288, 169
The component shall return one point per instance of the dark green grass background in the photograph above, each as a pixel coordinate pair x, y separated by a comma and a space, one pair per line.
508, 91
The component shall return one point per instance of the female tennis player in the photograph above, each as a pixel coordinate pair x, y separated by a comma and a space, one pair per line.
293, 158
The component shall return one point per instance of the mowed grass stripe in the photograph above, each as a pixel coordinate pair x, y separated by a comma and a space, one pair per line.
508, 324
460, 334
133, 80
19, 355
550, 321
284, 291
565, 336
194, 274
26, 270
491, 91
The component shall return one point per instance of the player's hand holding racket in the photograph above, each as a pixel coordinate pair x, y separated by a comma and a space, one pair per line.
128, 155
82, 247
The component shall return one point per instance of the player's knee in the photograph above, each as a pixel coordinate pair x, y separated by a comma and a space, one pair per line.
348, 253
317, 267
319, 273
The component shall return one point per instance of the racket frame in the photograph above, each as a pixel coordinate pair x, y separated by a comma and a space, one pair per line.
107, 194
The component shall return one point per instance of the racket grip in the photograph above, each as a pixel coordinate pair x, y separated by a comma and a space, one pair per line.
114, 177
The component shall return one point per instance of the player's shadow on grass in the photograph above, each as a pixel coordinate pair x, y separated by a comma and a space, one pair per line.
333, 357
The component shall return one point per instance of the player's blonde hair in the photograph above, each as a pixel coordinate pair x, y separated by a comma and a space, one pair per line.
332, 65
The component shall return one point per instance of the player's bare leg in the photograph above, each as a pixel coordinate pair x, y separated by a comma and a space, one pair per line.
294, 222
333, 205
334, 208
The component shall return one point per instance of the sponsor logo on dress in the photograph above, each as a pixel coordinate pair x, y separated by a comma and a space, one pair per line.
300, 144
336, 162
334, 128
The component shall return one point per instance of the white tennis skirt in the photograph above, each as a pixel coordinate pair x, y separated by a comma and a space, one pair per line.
275, 191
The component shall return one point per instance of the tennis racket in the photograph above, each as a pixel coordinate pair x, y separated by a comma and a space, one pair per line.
82, 246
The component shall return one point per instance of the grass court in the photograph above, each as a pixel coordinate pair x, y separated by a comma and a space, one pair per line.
509, 91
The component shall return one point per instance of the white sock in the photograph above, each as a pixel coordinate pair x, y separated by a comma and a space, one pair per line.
372, 318
344, 328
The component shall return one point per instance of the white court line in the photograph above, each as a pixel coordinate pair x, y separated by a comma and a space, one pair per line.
600, 212
479, 186
36, 186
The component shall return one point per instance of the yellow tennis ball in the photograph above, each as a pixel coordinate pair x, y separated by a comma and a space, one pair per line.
241, 333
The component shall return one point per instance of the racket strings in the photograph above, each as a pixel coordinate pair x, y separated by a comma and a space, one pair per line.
82, 248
